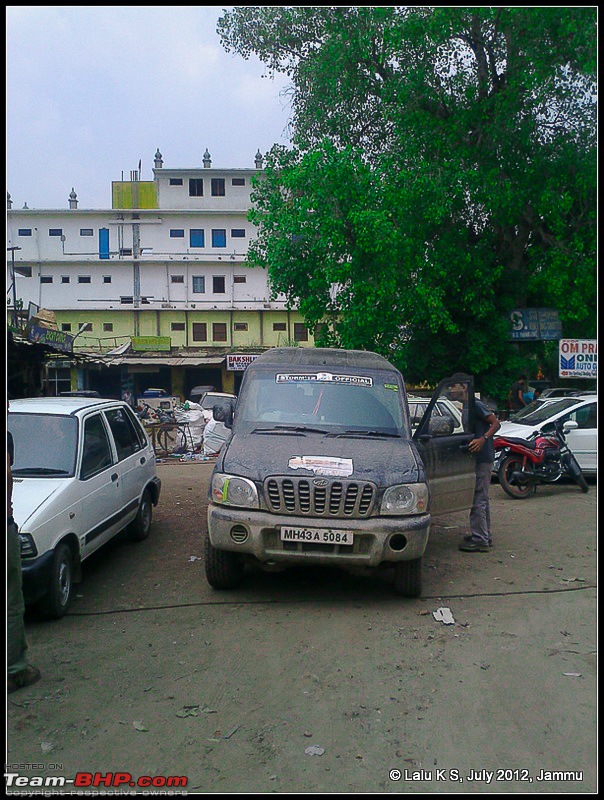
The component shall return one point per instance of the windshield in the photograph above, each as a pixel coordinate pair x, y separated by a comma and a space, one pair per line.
324, 401
45, 444
545, 409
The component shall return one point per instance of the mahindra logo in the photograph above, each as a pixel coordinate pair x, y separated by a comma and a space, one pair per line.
320, 482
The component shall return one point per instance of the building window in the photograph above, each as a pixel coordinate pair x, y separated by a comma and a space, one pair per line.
238, 182
177, 278
199, 284
106, 278
84, 326
66, 327
238, 233
219, 237
200, 332
175, 181
84, 279
240, 326
24, 231
126, 299
279, 326
125, 251
218, 284
177, 326
196, 237
59, 380
177, 233
195, 187
217, 187
86, 232
219, 331
107, 327
300, 332
65, 279
55, 231
239, 278
45, 278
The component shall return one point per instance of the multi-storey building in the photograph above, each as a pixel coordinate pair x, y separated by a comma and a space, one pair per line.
156, 288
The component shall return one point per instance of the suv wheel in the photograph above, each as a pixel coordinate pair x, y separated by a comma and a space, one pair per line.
224, 569
408, 578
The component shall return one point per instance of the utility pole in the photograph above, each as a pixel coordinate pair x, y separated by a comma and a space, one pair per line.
12, 252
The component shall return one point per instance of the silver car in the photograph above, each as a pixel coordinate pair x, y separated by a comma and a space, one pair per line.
83, 471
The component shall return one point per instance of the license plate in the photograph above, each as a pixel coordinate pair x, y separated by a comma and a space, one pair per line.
317, 536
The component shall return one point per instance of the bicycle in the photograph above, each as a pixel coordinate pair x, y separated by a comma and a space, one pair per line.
165, 431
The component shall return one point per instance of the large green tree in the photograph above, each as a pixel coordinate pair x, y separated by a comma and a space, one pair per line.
442, 172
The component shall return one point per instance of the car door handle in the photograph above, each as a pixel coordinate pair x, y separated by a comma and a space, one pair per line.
143, 459
114, 477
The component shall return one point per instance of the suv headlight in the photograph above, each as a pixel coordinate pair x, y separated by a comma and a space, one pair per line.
231, 490
405, 498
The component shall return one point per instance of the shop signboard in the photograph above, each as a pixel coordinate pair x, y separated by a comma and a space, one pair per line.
534, 324
58, 340
237, 362
154, 343
578, 358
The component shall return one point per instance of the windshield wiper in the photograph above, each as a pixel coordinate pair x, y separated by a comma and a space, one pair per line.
378, 434
293, 429
40, 471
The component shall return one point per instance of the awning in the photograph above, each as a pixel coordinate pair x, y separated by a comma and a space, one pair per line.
178, 361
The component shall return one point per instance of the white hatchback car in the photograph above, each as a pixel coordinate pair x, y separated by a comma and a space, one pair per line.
83, 470
541, 416
210, 399
443, 408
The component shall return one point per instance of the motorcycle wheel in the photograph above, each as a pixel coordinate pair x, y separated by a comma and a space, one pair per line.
575, 472
519, 491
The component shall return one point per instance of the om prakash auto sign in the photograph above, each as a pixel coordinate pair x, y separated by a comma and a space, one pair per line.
578, 358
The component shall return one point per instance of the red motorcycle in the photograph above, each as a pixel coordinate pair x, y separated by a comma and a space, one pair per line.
521, 464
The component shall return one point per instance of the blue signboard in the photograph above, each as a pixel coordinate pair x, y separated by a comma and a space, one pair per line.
56, 339
535, 323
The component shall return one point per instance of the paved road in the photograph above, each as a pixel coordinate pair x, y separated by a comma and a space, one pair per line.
155, 674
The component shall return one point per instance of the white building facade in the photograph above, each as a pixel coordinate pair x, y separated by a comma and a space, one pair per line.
155, 288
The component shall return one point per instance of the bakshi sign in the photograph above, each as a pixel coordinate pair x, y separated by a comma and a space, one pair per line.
578, 358
238, 362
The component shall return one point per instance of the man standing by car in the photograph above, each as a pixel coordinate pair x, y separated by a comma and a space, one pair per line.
517, 391
19, 672
481, 446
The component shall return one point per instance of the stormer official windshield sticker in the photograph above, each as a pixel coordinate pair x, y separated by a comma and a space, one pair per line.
323, 465
323, 377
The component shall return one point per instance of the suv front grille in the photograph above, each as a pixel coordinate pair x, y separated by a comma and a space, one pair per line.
305, 497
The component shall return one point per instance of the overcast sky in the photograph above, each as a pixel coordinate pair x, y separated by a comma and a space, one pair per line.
91, 90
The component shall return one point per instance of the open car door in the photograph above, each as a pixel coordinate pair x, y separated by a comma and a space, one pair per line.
442, 438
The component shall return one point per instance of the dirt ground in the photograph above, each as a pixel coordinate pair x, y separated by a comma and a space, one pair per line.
315, 681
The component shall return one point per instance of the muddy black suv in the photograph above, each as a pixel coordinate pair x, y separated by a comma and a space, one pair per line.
322, 467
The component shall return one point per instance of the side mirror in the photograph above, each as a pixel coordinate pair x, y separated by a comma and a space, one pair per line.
224, 413
570, 425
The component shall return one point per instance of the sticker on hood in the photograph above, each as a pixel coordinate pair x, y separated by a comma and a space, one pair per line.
323, 377
323, 465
